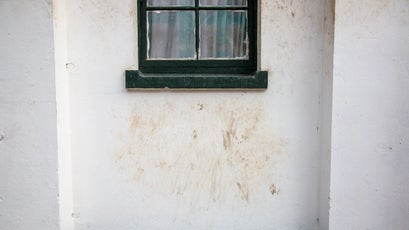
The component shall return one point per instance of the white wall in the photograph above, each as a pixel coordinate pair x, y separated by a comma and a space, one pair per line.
63, 116
195, 160
205, 160
28, 146
370, 141
326, 115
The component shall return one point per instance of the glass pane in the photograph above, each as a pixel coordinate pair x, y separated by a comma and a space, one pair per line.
223, 34
223, 2
171, 2
171, 34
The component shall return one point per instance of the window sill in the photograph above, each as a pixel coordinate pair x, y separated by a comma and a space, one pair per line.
135, 79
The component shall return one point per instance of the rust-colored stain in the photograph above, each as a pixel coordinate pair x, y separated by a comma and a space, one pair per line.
134, 123
233, 159
244, 191
291, 8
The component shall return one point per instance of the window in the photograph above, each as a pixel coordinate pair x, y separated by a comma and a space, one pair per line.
197, 44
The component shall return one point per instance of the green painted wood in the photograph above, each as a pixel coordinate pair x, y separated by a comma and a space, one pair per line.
135, 79
197, 74
214, 66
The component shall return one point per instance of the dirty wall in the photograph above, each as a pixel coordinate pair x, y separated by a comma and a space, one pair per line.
310, 152
194, 159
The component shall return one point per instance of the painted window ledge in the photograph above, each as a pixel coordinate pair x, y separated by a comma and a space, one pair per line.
135, 79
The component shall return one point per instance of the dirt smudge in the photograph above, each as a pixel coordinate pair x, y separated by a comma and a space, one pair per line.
194, 134
274, 190
232, 161
244, 191
134, 123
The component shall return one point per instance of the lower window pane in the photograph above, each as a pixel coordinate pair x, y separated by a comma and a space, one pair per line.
171, 35
223, 34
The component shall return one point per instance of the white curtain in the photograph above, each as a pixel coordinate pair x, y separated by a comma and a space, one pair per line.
222, 33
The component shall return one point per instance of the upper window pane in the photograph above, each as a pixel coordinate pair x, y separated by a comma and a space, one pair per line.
171, 2
171, 35
223, 34
223, 2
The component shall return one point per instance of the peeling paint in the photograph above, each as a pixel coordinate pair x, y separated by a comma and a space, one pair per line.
69, 66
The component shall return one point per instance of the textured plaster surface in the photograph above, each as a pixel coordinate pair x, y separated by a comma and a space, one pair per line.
28, 147
195, 160
370, 141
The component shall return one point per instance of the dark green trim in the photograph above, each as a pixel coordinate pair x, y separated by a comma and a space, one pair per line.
214, 66
197, 73
206, 66
135, 79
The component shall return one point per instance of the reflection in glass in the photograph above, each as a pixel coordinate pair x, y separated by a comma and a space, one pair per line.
171, 34
223, 2
171, 2
223, 34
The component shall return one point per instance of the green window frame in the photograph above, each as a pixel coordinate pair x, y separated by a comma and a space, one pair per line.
197, 73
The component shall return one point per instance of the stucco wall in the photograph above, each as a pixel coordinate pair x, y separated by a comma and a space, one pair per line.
326, 115
194, 160
370, 141
205, 160
28, 145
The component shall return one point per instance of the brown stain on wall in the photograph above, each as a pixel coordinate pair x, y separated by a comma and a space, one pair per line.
233, 159
291, 8
244, 191
195, 134
134, 123
274, 190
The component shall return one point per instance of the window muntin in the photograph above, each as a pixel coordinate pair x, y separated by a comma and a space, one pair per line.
198, 36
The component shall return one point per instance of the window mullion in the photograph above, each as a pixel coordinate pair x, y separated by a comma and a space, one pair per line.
197, 31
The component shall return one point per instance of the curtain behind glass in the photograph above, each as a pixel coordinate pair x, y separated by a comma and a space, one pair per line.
223, 2
171, 35
222, 33
171, 2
